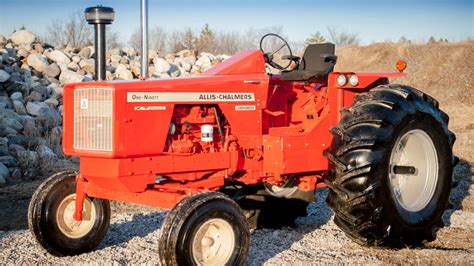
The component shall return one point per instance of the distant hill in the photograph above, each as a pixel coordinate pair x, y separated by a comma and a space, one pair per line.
444, 70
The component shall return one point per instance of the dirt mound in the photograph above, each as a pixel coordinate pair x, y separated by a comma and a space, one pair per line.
444, 70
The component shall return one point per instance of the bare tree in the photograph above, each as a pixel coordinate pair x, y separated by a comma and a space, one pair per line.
113, 40
206, 40
228, 42
188, 40
135, 40
342, 37
158, 39
72, 31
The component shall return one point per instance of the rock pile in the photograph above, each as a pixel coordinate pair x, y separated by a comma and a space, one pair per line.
32, 75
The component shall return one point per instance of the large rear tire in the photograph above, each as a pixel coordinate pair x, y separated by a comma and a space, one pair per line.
391, 167
50, 217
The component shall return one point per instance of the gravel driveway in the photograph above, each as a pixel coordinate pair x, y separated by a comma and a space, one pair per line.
134, 230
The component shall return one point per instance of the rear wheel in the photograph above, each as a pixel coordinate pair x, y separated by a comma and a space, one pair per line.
205, 229
50, 217
391, 167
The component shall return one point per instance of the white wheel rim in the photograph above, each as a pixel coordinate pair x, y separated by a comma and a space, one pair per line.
213, 243
65, 217
414, 191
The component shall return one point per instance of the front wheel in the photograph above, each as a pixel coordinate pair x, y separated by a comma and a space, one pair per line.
391, 167
50, 217
205, 229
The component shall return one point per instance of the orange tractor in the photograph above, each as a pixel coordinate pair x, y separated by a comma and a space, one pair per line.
239, 148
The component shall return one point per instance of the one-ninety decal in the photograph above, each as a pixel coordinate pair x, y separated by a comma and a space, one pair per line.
150, 108
161, 97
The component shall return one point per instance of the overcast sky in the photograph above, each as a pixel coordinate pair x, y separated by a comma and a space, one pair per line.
373, 20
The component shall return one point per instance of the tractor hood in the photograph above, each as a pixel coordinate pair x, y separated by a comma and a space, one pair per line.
245, 62
103, 119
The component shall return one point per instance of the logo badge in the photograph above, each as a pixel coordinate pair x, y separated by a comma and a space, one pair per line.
84, 103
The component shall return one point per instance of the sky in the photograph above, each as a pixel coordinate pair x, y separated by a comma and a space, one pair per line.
372, 20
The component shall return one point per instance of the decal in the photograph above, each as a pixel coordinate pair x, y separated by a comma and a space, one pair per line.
150, 108
245, 108
84, 103
161, 97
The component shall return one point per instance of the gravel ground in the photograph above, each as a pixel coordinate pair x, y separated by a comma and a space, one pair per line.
134, 231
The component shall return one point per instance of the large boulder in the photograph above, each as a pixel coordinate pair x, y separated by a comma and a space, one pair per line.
6, 102
52, 70
204, 62
125, 75
52, 102
19, 107
37, 61
35, 96
68, 76
12, 123
161, 65
88, 65
121, 72
135, 68
56, 89
4, 170
4, 76
3, 39
59, 57
186, 66
85, 53
45, 153
34, 108
8, 161
115, 58
16, 96
186, 53
73, 66
23, 37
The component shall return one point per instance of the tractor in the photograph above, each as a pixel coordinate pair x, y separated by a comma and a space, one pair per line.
242, 147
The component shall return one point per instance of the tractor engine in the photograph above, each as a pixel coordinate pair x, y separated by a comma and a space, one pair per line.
195, 129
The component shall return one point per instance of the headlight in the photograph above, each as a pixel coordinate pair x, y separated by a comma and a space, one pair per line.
341, 80
354, 80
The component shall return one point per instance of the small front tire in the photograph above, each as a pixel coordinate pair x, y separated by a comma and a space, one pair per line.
205, 229
50, 217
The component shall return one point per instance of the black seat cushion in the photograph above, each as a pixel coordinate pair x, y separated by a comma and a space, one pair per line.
317, 62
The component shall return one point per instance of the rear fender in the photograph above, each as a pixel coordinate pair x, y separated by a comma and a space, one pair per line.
341, 97
366, 80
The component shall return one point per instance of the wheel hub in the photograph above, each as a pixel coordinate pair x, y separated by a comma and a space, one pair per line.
65, 217
213, 243
413, 171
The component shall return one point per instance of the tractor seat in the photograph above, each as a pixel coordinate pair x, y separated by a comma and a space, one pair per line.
317, 62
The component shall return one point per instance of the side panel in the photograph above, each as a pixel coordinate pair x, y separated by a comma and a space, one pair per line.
149, 109
134, 174
300, 147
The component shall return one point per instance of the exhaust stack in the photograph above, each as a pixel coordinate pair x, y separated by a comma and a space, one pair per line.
99, 16
144, 39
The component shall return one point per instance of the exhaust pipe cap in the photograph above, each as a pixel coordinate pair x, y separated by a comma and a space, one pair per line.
99, 15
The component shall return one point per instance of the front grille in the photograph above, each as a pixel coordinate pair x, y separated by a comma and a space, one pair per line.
93, 116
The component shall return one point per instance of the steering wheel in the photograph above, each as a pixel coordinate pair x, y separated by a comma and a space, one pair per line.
269, 55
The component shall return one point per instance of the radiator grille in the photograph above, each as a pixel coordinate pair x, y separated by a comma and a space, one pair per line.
93, 116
